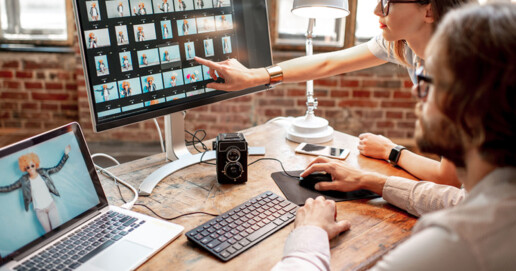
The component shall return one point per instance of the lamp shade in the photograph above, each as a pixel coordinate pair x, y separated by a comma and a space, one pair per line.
321, 8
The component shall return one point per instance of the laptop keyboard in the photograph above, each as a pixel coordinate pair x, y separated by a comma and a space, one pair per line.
242, 227
76, 249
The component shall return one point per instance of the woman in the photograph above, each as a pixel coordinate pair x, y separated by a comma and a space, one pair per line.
401, 42
37, 188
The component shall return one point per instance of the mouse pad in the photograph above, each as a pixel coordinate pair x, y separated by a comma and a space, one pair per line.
298, 194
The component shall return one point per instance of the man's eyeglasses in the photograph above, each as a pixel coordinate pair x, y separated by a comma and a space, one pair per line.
29, 167
386, 3
423, 83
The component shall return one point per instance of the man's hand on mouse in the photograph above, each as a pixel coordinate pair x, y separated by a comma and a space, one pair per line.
321, 213
345, 177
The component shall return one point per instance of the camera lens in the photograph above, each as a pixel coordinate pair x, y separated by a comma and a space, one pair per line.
233, 170
233, 155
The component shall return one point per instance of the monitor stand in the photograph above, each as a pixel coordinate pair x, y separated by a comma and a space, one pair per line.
178, 154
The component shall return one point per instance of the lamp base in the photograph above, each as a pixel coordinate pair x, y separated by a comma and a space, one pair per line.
310, 129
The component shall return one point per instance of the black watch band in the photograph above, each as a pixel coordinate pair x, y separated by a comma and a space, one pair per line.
395, 154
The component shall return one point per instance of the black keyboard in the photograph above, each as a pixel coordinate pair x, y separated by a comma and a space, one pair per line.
76, 249
242, 227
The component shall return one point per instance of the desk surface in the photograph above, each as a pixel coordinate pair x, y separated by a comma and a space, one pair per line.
376, 227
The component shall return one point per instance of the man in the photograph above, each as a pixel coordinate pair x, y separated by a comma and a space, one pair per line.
467, 115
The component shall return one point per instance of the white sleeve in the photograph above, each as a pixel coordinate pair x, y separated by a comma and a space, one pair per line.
429, 250
419, 197
307, 248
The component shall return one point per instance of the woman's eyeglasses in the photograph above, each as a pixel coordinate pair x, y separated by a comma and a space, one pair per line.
386, 3
423, 83
29, 167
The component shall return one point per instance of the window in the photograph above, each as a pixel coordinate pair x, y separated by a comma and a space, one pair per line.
40, 22
367, 23
289, 30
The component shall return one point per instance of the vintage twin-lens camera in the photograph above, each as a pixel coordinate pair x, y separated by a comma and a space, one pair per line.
231, 157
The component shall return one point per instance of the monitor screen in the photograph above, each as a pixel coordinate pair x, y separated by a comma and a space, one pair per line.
138, 55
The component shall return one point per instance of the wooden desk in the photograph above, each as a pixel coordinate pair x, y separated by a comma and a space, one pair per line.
376, 228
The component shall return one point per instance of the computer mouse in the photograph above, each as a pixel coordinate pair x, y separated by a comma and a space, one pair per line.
310, 180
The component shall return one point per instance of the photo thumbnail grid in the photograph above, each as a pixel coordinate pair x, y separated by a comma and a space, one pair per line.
110, 87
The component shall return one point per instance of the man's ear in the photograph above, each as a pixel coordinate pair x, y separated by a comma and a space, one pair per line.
429, 16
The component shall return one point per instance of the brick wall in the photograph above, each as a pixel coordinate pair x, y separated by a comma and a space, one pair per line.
42, 91
37, 91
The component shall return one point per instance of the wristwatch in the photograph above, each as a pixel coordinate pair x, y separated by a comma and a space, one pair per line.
276, 75
395, 154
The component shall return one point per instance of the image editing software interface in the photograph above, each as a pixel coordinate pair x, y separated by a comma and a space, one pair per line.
139, 54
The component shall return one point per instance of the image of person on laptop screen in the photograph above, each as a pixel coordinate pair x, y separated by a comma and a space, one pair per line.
37, 188
406, 30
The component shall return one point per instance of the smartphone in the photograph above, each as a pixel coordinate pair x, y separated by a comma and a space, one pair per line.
317, 150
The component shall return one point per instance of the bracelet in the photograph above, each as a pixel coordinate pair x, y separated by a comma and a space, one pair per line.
275, 74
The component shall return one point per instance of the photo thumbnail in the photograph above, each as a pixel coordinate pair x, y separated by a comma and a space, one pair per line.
166, 30
202, 4
101, 64
193, 74
186, 27
121, 35
148, 57
152, 83
105, 92
224, 22
189, 50
126, 62
97, 38
169, 54
173, 78
163, 6
226, 45
144, 32
208, 48
184, 5
93, 11
129, 87
154, 102
141, 7
117, 8
221, 3
206, 24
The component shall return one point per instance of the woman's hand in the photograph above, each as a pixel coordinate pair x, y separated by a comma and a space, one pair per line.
67, 149
321, 213
236, 76
375, 146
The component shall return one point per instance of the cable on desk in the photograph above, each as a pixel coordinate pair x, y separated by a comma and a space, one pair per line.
175, 217
195, 140
277, 160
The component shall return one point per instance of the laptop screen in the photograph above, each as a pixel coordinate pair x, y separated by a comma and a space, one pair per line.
47, 183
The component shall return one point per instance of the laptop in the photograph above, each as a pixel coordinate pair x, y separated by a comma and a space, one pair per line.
55, 215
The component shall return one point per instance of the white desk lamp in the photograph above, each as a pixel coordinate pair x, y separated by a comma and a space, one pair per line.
309, 128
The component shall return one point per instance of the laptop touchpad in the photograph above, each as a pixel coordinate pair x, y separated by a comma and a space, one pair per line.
123, 255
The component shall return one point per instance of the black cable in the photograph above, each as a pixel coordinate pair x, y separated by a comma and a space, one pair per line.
139, 204
195, 140
175, 217
274, 159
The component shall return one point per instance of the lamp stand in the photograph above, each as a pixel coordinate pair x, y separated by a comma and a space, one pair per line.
309, 128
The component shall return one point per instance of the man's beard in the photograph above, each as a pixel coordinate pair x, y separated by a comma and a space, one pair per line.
442, 138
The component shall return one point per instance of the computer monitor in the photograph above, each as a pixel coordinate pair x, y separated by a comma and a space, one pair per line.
138, 58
